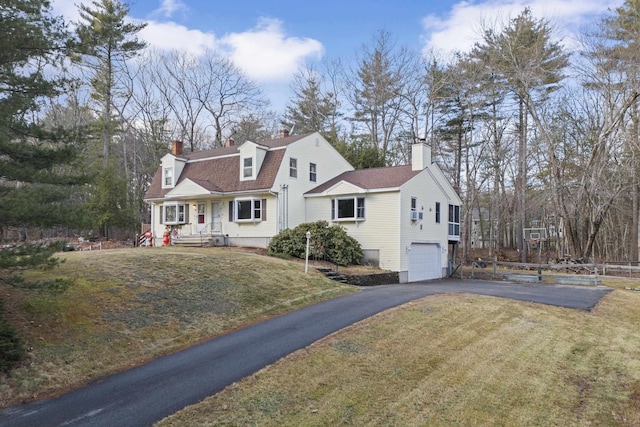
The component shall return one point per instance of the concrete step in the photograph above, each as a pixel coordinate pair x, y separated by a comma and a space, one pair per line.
194, 240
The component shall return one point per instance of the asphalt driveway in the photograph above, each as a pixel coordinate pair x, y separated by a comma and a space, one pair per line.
146, 394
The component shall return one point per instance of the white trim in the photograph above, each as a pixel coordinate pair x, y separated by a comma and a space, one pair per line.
177, 221
253, 209
355, 218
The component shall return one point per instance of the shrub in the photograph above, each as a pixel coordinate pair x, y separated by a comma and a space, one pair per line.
11, 349
325, 239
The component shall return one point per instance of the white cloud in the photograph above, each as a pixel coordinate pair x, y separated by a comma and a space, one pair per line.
172, 36
169, 7
266, 53
66, 8
462, 26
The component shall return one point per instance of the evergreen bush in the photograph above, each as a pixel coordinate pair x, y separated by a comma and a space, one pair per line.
330, 240
11, 349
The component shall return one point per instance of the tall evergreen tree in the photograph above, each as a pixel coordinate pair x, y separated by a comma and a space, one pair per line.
106, 42
531, 65
35, 176
311, 109
378, 94
34, 172
622, 30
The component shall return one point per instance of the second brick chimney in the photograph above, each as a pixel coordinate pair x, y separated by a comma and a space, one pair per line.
284, 133
176, 148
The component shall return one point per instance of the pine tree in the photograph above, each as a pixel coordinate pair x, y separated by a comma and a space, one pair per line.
531, 64
311, 109
34, 162
106, 43
36, 171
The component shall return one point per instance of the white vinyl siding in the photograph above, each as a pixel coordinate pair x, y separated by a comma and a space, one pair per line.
427, 193
379, 231
312, 149
262, 229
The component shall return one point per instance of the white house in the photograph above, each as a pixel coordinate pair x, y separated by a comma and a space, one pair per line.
405, 217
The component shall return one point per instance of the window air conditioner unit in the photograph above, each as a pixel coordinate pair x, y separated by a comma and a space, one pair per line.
415, 215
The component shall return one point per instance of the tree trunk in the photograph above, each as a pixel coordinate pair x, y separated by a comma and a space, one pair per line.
521, 189
635, 223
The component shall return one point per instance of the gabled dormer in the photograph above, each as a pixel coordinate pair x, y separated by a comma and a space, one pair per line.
172, 165
251, 157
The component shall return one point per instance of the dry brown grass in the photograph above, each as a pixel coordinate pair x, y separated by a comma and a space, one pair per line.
452, 360
130, 305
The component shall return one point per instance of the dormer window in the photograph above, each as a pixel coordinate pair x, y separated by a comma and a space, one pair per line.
168, 177
247, 167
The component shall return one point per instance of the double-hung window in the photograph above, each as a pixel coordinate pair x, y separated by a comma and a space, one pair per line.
312, 172
247, 167
293, 168
347, 209
437, 212
454, 220
415, 215
168, 177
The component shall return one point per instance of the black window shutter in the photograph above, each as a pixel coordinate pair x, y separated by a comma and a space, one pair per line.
230, 210
264, 209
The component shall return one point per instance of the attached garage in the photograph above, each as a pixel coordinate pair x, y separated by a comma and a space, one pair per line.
424, 262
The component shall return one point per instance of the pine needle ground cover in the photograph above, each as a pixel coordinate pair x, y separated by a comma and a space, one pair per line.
128, 306
451, 360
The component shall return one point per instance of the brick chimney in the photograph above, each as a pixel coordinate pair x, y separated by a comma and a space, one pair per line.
284, 133
176, 148
229, 142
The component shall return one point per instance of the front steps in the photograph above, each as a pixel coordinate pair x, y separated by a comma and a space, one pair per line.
194, 240
332, 274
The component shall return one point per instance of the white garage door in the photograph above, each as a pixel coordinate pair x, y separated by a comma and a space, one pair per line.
424, 262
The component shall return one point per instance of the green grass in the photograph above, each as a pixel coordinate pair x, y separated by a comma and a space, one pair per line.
451, 360
128, 306
443, 360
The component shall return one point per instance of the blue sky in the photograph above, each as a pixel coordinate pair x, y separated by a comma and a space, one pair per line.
270, 40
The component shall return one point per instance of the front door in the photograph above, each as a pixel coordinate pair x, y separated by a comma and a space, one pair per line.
201, 222
216, 218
